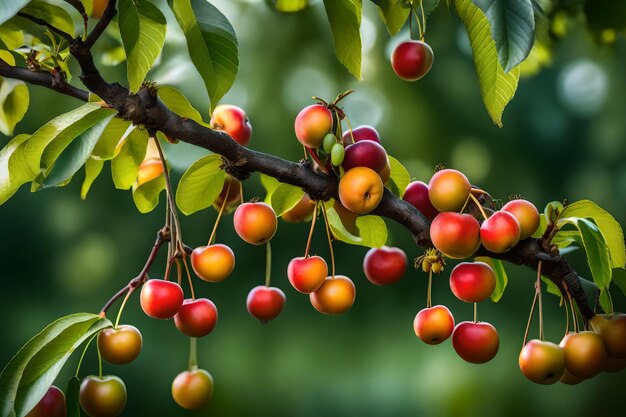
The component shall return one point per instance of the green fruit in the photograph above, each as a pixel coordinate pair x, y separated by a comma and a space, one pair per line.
329, 141
336, 154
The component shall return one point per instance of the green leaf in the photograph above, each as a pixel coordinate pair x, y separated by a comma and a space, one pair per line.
142, 27
200, 185
113, 138
285, 197
72, 392
605, 300
512, 28
345, 23
619, 278
372, 229
394, 13
497, 88
291, 6
551, 287
502, 278
54, 15
29, 374
610, 228
7, 57
11, 35
125, 165
598, 257
146, 196
211, 42
178, 103
113, 56
399, 178
14, 100
270, 184
93, 167
14, 170
8, 9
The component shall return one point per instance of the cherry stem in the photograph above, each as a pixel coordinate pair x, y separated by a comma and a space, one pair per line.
308, 242
119, 313
82, 356
480, 207
219, 214
538, 290
99, 362
475, 312
429, 302
170, 195
268, 264
193, 294
241, 192
317, 160
571, 304
179, 272
193, 353
350, 127
566, 318
419, 24
330, 242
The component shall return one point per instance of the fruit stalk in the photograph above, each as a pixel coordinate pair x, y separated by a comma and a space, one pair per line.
330, 242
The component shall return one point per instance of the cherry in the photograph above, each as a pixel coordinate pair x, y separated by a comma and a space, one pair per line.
542, 362
411, 60
335, 296
120, 346
612, 330
213, 263
384, 266
434, 325
448, 190
255, 222
472, 282
307, 274
456, 235
301, 211
161, 299
232, 120
102, 397
360, 190
365, 153
196, 318
312, 124
416, 193
570, 379
99, 6
51, 405
500, 232
360, 133
337, 154
149, 170
193, 389
265, 303
526, 214
475, 342
585, 354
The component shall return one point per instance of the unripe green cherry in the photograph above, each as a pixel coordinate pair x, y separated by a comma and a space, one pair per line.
328, 142
337, 154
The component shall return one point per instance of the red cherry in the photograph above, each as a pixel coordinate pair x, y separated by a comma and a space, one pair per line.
51, 405
196, 318
232, 120
417, 194
412, 60
472, 282
365, 153
265, 303
500, 232
384, 266
456, 235
307, 274
433, 325
360, 133
475, 342
161, 299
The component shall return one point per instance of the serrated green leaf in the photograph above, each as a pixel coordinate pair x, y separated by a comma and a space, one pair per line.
400, 177
54, 15
502, 278
345, 23
610, 228
497, 88
14, 100
285, 197
93, 167
146, 196
113, 139
72, 391
211, 42
178, 103
142, 27
14, 171
512, 28
598, 257
29, 374
200, 185
291, 6
11, 35
125, 165
8, 9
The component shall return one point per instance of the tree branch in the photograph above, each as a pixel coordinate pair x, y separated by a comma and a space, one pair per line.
42, 22
102, 24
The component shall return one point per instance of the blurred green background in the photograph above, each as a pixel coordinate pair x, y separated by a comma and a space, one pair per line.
564, 136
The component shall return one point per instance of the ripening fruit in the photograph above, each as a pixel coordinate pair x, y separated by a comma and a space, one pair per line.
307, 274
365, 153
384, 266
526, 214
337, 154
612, 330
232, 120
475, 342
411, 60
120, 346
360, 190
542, 362
570, 379
149, 170
99, 6
585, 354
500, 232
456, 235
417, 194
196, 318
327, 143
265, 303
51, 405
161, 299
335, 296
213, 263
312, 124
193, 389
472, 282
102, 397
433, 325
360, 133
233, 196
301, 211
255, 222
448, 190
